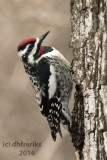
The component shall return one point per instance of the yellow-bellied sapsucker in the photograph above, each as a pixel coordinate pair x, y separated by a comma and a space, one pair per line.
50, 76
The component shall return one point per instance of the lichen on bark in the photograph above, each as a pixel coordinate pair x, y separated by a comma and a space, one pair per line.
88, 42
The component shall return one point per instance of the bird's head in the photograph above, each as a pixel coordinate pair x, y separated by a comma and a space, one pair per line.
30, 49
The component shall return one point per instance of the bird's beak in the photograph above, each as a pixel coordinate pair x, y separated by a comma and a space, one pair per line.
41, 38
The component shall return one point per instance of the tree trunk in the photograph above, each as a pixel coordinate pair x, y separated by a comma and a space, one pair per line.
88, 42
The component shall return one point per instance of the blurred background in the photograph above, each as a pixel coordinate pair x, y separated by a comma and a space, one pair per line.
20, 118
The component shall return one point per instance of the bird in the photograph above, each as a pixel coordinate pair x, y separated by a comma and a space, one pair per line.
50, 76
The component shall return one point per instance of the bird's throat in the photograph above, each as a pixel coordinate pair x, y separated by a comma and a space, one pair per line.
40, 51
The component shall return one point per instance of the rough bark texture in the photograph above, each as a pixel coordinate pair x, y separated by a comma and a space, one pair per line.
88, 41
78, 121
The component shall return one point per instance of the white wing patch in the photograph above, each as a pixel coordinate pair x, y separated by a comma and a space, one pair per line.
52, 82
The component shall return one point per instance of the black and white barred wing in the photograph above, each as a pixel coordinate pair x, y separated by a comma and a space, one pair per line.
54, 115
48, 96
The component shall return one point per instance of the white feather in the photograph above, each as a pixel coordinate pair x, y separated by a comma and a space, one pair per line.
52, 82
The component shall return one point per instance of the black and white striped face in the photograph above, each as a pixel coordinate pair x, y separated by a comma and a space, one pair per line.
27, 49
30, 49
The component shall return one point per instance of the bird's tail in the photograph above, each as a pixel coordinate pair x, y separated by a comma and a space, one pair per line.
53, 134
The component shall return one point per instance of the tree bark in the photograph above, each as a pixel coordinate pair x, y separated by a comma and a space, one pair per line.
88, 42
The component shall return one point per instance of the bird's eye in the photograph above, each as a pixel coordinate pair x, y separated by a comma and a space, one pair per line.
31, 46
